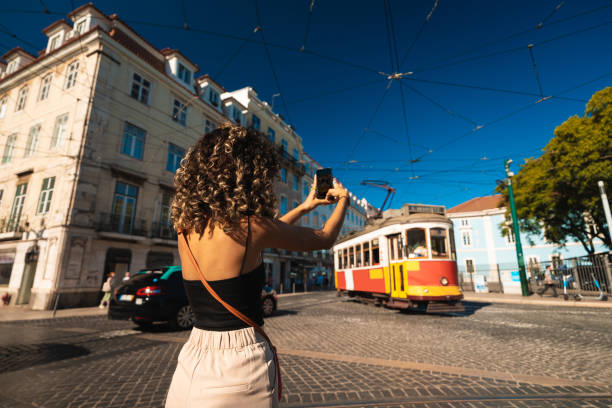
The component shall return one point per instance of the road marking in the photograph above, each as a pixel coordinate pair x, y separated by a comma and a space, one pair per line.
472, 372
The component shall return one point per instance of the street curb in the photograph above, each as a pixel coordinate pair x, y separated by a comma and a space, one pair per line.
17, 315
569, 303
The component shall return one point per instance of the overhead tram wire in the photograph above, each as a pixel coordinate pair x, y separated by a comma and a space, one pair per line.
185, 24
418, 34
439, 105
484, 88
265, 44
519, 110
236, 53
511, 50
45, 9
541, 24
522, 32
403, 99
308, 19
535, 69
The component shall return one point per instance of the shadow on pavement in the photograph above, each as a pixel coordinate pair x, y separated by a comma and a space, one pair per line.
470, 309
19, 357
282, 312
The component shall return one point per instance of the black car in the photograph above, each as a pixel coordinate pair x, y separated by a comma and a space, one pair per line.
159, 296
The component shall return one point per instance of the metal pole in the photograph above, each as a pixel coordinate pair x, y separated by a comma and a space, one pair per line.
517, 234
501, 285
57, 296
606, 206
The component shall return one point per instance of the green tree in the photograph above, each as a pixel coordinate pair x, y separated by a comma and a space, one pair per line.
557, 193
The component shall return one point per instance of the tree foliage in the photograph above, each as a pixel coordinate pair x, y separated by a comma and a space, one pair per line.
557, 193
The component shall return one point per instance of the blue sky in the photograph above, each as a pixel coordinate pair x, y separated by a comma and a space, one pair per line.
451, 162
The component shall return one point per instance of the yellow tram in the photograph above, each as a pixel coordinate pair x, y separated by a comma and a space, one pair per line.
405, 261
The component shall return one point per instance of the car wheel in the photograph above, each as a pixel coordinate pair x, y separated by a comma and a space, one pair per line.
268, 306
183, 319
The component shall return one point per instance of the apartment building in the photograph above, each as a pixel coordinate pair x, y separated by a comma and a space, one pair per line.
91, 132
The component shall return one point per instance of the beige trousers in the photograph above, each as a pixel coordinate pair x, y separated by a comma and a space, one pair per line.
224, 369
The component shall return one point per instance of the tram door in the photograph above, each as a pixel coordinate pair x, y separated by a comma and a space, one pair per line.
396, 267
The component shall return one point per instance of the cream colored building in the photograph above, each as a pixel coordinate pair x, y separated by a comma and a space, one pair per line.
91, 131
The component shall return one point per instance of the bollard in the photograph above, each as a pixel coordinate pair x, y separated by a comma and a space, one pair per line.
57, 296
293, 287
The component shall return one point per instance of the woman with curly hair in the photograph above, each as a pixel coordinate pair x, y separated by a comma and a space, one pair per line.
225, 213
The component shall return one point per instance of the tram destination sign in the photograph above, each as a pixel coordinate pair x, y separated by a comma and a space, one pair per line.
424, 208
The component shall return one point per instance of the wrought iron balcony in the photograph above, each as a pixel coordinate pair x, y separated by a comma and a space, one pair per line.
121, 224
291, 160
163, 230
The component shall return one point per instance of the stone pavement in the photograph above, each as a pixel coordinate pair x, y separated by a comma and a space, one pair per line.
535, 300
333, 352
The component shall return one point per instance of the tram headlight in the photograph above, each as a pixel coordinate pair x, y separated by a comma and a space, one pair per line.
444, 281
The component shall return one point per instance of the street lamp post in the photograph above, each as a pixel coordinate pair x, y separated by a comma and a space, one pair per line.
517, 235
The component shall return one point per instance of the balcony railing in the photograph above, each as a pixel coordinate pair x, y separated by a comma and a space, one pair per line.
163, 230
123, 225
292, 160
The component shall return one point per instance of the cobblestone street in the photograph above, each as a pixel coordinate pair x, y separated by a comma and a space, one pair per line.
333, 352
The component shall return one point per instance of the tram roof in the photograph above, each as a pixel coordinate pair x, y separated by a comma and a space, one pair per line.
379, 223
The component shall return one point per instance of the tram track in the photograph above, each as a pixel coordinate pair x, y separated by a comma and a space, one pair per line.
497, 399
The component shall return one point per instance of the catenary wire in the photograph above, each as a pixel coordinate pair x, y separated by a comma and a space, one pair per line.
535, 69
307, 30
418, 34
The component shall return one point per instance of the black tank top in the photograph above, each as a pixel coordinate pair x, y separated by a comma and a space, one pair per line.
242, 292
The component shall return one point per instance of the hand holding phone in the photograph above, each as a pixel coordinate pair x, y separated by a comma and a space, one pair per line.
324, 182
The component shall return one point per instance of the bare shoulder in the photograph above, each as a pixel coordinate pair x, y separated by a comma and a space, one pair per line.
273, 233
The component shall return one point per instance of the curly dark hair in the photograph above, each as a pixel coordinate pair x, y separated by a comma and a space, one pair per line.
224, 177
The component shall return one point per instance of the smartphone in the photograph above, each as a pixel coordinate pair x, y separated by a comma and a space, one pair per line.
324, 182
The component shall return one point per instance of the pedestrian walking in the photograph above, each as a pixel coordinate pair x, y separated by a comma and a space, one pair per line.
548, 282
126, 277
107, 287
224, 212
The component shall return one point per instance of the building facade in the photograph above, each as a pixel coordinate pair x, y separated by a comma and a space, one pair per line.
92, 130
483, 250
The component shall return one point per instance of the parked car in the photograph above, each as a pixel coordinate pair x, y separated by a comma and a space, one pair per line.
159, 296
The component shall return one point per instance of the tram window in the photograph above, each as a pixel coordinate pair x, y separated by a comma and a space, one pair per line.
451, 235
344, 258
438, 243
339, 255
375, 254
351, 257
416, 244
358, 255
366, 254
392, 241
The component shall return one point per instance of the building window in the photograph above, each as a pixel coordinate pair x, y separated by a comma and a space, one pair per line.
469, 265
323, 220
465, 222
213, 97
256, 122
32, 141
81, 25
12, 66
236, 114
184, 74
54, 41
133, 141
272, 135
124, 207
44, 202
510, 237
284, 143
3, 103
315, 220
8, 148
284, 175
60, 130
175, 154
73, 70
209, 126
141, 89
45, 85
179, 112
15, 216
295, 205
305, 190
296, 183
466, 238
306, 220
296, 154
165, 225
283, 205
21, 98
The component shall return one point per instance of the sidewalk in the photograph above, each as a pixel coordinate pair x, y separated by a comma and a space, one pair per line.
16, 313
534, 299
